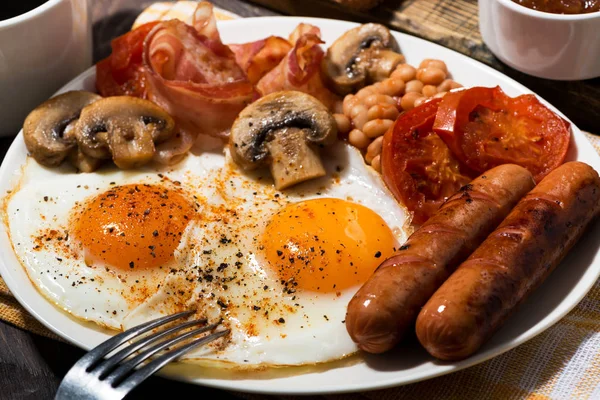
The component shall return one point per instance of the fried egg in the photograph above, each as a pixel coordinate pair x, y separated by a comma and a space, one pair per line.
278, 268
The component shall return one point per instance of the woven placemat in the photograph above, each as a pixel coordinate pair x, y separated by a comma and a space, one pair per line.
561, 363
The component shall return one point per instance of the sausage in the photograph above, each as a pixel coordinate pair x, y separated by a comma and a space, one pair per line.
387, 305
476, 300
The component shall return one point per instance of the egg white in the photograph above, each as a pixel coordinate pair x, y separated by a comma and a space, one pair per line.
217, 268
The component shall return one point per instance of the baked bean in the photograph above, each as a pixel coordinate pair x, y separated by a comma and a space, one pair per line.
365, 92
360, 119
440, 95
429, 90
377, 127
376, 163
385, 111
374, 149
349, 102
391, 87
378, 99
358, 139
405, 72
414, 86
357, 109
455, 85
429, 62
420, 101
448, 85
408, 100
343, 123
431, 75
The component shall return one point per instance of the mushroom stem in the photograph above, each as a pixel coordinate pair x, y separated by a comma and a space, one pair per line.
294, 160
83, 162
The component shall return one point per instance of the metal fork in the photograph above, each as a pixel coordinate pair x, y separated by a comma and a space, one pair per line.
94, 377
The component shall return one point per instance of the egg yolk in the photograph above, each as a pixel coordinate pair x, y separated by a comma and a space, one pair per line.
133, 226
326, 245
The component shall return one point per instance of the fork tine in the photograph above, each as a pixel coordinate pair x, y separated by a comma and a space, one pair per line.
144, 372
95, 355
117, 375
102, 370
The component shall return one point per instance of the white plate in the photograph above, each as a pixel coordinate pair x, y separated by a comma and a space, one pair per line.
555, 298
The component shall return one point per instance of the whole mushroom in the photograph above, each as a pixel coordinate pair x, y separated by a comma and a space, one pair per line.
362, 55
123, 128
283, 130
49, 130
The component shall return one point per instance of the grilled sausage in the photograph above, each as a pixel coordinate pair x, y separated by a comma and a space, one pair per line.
474, 302
386, 307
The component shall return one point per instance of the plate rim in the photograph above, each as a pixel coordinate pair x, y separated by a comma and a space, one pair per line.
237, 385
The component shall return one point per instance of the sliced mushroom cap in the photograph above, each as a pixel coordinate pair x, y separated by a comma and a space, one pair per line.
124, 128
283, 130
49, 130
367, 53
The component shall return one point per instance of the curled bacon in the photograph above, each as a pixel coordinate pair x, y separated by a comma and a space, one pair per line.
121, 72
301, 68
260, 57
194, 77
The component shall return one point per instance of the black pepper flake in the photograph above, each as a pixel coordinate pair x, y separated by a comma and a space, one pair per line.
59, 259
326, 318
45, 198
155, 233
378, 254
222, 266
207, 252
279, 252
131, 264
281, 321
265, 287
256, 308
221, 303
239, 254
224, 239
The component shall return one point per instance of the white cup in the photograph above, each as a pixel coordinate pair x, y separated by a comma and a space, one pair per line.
552, 46
40, 51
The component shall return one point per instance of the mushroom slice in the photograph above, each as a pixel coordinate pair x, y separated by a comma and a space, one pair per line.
124, 128
360, 56
48, 130
283, 130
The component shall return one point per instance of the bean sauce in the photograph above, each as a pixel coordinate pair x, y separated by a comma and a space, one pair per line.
562, 6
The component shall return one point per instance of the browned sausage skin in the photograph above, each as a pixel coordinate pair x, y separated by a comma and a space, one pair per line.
386, 307
474, 302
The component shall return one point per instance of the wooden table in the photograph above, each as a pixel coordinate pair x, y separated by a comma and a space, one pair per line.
31, 366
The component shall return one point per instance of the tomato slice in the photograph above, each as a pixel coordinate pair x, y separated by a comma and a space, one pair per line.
120, 73
417, 165
485, 128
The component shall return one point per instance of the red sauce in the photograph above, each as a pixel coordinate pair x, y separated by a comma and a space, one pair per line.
562, 6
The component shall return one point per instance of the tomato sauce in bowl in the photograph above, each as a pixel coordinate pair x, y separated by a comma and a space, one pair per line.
562, 6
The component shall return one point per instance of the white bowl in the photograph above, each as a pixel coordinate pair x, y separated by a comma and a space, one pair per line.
552, 46
40, 51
